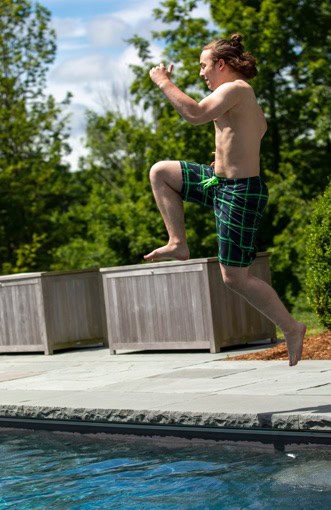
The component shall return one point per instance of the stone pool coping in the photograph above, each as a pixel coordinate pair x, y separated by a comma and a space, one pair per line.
184, 389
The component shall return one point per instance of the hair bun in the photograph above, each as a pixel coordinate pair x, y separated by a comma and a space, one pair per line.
236, 40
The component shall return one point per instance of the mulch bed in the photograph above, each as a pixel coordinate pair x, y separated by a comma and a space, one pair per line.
314, 347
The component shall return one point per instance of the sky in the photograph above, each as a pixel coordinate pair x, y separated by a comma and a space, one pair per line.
92, 60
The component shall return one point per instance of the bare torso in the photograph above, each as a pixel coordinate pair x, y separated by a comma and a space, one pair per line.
238, 134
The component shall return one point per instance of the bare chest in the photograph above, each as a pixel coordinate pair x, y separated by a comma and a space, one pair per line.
248, 123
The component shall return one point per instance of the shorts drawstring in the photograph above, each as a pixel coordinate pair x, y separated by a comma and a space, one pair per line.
211, 181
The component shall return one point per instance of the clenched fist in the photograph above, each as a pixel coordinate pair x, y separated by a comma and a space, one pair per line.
161, 74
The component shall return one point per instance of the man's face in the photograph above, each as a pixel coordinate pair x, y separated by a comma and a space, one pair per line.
210, 70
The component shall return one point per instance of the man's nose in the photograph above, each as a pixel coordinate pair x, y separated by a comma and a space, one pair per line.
202, 73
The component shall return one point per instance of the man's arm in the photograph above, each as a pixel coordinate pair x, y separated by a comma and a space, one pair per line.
210, 108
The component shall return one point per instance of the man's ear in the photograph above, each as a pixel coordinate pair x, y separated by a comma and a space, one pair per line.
221, 64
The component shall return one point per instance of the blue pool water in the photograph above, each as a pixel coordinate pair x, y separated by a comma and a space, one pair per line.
45, 470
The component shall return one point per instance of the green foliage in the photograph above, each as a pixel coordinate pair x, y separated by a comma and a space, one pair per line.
105, 214
120, 222
302, 311
34, 183
318, 258
119, 217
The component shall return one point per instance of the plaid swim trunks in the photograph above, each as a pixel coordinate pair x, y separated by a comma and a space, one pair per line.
238, 207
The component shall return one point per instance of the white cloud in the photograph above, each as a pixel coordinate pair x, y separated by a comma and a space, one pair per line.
97, 82
78, 118
81, 93
114, 29
77, 150
137, 11
140, 19
202, 11
76, 47
107, 31
81, 69
99, 67
69, 27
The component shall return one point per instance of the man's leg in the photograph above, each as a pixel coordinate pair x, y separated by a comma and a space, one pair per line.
265, 299
166, 180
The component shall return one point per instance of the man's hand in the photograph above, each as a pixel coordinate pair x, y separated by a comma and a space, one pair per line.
160, 74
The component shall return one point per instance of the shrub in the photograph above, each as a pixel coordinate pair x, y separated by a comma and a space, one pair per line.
318, 258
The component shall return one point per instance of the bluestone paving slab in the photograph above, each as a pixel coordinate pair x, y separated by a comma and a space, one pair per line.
319, 389
181, 388
90, 399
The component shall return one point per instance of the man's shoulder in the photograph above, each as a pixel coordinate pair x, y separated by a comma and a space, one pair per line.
236, 87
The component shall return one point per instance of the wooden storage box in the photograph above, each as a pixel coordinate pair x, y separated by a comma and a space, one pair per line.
22, 318
180, 305
51, 311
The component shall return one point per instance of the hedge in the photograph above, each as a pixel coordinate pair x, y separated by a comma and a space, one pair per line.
318, 258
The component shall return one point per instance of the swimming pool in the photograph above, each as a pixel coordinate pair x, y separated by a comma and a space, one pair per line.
41, 470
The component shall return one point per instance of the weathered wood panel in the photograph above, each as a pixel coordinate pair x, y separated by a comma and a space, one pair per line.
22, 322
178, 305
152, 306
73, 308
51, 311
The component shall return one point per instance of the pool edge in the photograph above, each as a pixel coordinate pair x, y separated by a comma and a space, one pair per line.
278, 438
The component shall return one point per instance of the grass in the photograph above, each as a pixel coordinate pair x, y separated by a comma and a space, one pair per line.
302, 312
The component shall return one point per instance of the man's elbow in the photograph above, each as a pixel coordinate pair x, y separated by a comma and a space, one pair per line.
192, 114
195, 119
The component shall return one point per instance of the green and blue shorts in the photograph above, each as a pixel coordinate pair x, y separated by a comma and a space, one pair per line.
238, 207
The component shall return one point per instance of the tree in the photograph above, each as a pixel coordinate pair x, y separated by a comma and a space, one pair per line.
116, 221
34, 182
119, 222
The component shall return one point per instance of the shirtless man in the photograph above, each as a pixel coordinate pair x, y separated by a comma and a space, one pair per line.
232, 186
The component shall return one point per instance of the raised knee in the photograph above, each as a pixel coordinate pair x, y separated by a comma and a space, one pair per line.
157, 171
232, 281
229, 281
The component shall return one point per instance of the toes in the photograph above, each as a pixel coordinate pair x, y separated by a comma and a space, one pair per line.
293, 357
292, 361
149, 256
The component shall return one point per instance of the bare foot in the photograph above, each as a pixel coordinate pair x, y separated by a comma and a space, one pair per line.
168, 252
294, 340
